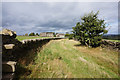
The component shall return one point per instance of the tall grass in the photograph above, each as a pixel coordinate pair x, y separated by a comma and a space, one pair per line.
66, 59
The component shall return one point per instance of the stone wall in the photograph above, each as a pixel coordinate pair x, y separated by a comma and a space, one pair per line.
110, 45
18, 52
15, 50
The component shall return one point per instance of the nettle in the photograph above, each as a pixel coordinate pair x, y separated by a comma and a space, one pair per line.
89, 32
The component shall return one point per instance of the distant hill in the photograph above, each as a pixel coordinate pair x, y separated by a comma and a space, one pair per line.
111, 36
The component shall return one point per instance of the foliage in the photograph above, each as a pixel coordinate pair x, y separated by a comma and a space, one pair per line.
71, 36
89, 32
67, 35
26, 34
37, 34
32, 34
54, 34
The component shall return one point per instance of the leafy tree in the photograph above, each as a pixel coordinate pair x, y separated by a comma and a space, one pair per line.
32, 34
67, 35
89, 32
26, 34
54, 34
37, 34
71, 36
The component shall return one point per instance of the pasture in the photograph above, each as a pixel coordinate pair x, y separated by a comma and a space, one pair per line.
20, 38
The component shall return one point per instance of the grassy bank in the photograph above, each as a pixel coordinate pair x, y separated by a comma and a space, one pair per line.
20, 38
67, 59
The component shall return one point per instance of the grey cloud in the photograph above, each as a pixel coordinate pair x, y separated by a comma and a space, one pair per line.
49, 16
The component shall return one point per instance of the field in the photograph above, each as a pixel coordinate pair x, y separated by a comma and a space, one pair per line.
20, 38
113, 40
68, 59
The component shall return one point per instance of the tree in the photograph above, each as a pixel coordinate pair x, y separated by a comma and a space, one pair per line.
67, 34
71, 36
26, 34
32, 34
90, 31
54, 34
37, 34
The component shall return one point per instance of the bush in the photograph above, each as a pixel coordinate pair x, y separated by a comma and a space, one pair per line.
89, 32
54, 34
71, 36
26, 34
67, 35
37, 34
32, 34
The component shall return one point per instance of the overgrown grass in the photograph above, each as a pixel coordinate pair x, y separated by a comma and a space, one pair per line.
20, 38
67, 59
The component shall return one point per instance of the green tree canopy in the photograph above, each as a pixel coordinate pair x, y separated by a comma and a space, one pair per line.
67, 34
32, 34
37, 34
26, 34
89, 32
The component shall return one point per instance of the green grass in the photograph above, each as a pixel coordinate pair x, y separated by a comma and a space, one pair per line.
20, 38
113, 40
66, 59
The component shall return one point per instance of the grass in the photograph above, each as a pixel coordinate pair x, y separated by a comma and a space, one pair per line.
67, 59
113, 40
20, 38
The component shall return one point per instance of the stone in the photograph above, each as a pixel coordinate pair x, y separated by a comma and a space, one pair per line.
8, 76
8, 32
111, 45
8, 66
9, 46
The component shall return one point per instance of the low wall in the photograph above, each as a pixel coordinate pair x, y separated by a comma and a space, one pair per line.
24, 48
14, 51
110, 45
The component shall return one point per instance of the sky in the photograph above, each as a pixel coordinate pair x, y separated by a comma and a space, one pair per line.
59, 17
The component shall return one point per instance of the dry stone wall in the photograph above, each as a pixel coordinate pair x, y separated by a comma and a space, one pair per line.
8, 43
111, 45
28, 45
13, 51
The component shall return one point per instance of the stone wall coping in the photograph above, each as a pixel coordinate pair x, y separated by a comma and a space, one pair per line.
9, 62
29, 40
9, 46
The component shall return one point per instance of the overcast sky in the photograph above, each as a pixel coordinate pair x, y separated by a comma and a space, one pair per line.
60, 17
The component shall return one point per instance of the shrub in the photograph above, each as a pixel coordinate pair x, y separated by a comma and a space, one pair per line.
26, 34
89, 32
71, 36
67, 35
37, 34
32, 34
